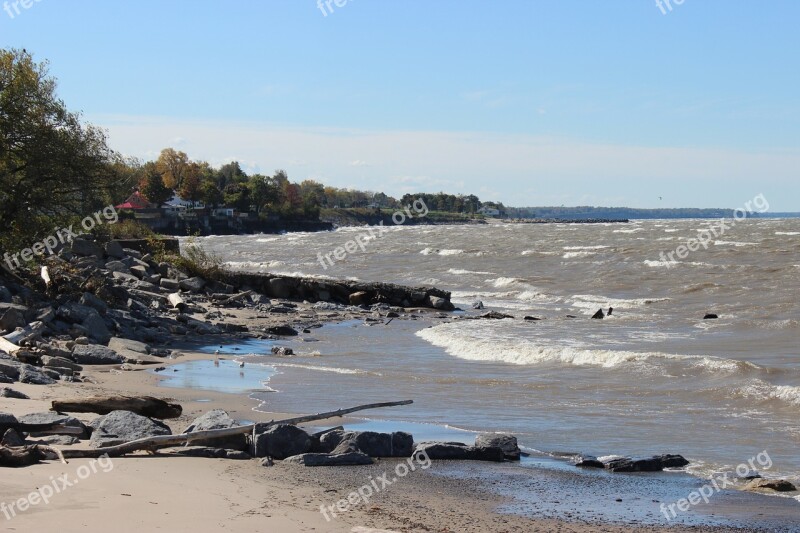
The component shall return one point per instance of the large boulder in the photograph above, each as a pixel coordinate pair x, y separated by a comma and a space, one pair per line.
86, 248
6, 392
441, 303
217, 419
36, 376
97, 329
118, 427
324, 459
374, 444
459, 451
93, 354
507, 443
282, 441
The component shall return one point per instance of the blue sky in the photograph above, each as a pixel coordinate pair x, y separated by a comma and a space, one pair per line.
526, 102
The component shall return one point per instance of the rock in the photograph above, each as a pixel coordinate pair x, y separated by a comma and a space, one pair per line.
282, 441
589, 461
5, 379
169, 284
12, 439
114, 249
778, 485
11, 319
281, 287
50, 417
34, 376
118, 427
359, 298
10, 369
478, 305
374, 444
85, 248
282, 351
97, 328
58, 440
459, 451
75, 313
657, 463
140, 272
90, 300
710, 316
60, 362
494, 315
192, 284
94, 354
599, 315
531, 318
217, 419
324, 459
507, 443
5, 294
6, 392
283, 331
440, 303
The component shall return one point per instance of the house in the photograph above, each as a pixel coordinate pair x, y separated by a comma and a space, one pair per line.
177, 201
134, 201
489, 211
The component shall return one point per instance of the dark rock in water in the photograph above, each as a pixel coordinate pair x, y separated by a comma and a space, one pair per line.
599, 315
324, 459
94, 354
217, 419
656, 463
778, 485
710, 316
118, 427
610, 310
532, 318
458, 451
282, 351
282, 441
359, 298
440, 303
283, 331
507, 443
5, 392
588, 461
571, 316
478, 305
399, 444
12, 439
494, 315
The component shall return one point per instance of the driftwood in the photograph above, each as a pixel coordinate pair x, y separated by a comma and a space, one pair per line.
176, 301
227, 300
102, 405
42, 429
46, 276
28, 332
165, 441
27, 455
7, 346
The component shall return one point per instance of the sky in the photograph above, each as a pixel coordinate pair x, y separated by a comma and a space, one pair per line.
537, 102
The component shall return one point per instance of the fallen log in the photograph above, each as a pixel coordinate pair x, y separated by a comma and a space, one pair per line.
7, 346
151, 444
102, 405
27, 455
29, 332
231, 299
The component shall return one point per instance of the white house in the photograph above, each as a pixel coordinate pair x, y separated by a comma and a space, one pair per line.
177, 201
489, 211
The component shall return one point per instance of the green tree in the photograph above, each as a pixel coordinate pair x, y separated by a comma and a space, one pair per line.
53, 168
153, 187
210, 194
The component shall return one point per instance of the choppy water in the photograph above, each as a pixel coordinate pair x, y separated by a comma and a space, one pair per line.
652, 378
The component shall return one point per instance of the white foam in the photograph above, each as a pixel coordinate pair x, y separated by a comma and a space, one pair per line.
459, 271
734, 243
660, 264
590, 301
584, 253
787, 233
331, 369
599, 247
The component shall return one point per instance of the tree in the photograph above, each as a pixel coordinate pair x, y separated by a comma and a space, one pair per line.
53, 168
190, 187
210, 194
153, 187
230, 173
264, 191
237, 195
173, 166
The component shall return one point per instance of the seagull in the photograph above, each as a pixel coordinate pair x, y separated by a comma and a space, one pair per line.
216, 357
241, 365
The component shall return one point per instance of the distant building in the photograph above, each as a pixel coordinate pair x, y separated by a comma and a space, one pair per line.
134, 201
177, 201
489, 211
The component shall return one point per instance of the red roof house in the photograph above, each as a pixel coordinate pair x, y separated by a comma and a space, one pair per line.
134, 201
